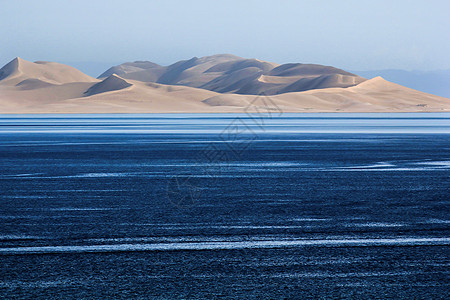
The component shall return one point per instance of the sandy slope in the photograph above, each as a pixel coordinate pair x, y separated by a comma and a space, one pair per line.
27, 87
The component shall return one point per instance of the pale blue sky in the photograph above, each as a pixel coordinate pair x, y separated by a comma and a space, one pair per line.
354, 35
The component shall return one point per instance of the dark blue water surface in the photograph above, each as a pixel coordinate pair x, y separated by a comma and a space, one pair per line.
224, 206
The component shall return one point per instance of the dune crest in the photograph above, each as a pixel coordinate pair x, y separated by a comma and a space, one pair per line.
11, 69
109, 84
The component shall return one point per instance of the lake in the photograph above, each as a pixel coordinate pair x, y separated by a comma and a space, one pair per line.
225, 205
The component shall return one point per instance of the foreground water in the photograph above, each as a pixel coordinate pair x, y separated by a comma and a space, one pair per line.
210, 206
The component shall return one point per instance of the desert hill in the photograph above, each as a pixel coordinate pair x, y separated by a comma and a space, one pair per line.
129, 67
225, 73
109, 84
29, 75
220, 83
433, 82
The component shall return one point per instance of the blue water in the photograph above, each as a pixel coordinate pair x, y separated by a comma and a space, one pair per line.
224, 206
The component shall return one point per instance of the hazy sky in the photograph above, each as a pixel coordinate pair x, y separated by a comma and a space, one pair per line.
354, 35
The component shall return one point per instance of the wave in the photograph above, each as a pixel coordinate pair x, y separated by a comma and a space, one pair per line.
196, 246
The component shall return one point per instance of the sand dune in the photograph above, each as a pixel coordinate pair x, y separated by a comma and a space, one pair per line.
109, 84
129, 67
18, 71
27, 87
321, 82
231, 74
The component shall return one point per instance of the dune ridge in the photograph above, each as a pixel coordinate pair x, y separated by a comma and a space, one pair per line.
218, 83
225, 73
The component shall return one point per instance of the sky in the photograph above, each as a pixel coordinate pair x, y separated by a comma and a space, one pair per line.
353, 35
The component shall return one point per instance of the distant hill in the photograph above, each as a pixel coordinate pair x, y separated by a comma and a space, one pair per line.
433, 82
129, 67
225, 73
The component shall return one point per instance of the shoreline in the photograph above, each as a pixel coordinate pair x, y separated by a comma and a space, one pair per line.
215, 113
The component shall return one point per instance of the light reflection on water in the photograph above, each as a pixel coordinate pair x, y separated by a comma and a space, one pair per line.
216, 123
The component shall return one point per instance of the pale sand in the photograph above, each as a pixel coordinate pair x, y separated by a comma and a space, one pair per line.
27, 87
